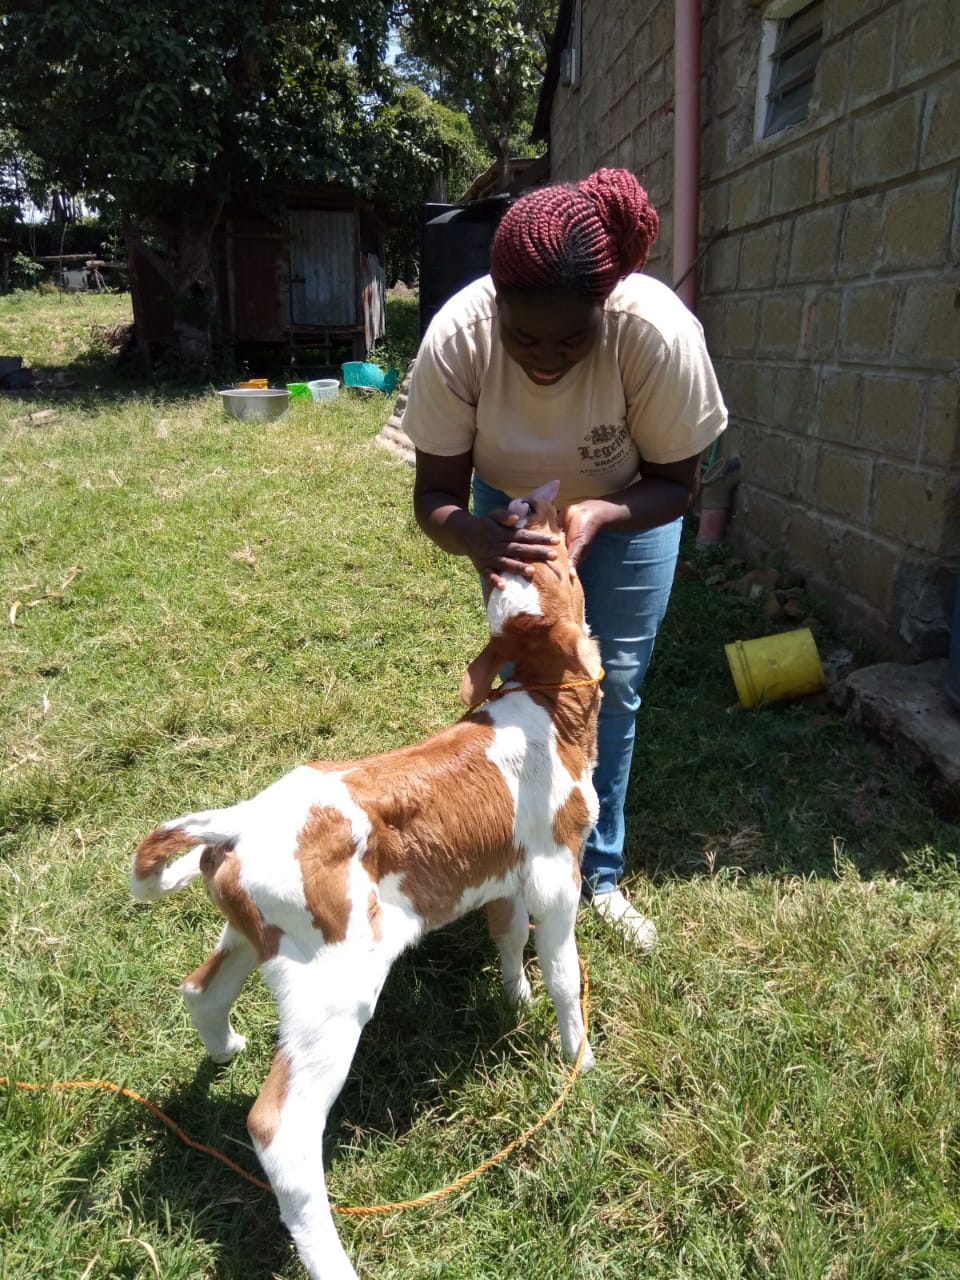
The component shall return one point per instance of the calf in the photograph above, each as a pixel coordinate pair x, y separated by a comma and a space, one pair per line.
328, 874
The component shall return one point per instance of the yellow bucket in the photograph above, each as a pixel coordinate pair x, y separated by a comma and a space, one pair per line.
255, 384
775, 667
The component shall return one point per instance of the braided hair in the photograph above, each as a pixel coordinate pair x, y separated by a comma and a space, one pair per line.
578, 238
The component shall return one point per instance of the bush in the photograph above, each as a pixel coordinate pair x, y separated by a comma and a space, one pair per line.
25, 273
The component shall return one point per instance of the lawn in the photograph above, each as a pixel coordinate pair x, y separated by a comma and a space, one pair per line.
191, 605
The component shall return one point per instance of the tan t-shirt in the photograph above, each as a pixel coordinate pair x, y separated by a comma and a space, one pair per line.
646, 391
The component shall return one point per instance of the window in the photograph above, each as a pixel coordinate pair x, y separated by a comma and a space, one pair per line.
792, 40
570, 58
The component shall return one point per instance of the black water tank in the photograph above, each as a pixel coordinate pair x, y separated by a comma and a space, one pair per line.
455, 249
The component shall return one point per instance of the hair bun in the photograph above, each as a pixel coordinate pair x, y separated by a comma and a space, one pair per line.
626, 210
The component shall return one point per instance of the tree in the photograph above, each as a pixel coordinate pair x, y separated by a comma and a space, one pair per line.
423, 151
163, 109
487, 59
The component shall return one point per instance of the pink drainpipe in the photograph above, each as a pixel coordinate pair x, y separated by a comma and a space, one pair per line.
686, 147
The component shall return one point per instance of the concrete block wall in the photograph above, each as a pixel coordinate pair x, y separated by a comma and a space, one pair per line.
830, 288
621, 115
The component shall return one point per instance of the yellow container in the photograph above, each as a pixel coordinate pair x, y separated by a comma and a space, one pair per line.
775, 667
255, 384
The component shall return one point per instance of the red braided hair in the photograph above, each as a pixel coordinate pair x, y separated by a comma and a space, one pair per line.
575, 238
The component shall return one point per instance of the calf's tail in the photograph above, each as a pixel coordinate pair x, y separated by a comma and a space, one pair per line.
153, 875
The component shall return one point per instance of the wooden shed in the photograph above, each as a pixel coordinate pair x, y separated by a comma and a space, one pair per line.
303, 271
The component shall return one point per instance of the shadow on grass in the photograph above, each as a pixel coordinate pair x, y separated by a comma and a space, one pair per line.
790, 789
440, 1013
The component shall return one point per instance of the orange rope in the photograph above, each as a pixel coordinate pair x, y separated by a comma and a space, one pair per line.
356, 1210
507, 687
110, 1087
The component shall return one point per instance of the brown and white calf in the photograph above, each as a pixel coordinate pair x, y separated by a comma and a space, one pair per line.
328, 874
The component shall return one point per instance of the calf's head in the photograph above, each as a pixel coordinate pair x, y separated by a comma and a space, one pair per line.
537, 623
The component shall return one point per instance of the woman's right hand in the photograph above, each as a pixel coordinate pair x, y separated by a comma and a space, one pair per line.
496, 546
441, 497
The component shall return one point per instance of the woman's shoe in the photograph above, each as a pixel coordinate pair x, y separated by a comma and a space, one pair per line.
614, 907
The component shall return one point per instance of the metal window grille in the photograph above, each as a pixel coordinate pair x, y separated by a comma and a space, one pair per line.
793, 64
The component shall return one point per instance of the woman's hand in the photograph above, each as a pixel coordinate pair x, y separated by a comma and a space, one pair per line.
664, 492
581, 522
496, 546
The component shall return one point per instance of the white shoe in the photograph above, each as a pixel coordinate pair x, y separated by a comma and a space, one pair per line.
616, 910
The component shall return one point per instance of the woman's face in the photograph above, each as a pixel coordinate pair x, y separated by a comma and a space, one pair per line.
547, 334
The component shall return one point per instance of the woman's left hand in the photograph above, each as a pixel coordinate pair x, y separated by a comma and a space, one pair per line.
664, 492
581, 522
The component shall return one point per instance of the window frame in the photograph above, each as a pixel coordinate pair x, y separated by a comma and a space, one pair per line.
790, 50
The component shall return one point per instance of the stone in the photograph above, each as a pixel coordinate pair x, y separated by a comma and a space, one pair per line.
907, 706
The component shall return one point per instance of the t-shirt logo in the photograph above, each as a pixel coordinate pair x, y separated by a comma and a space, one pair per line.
604, 447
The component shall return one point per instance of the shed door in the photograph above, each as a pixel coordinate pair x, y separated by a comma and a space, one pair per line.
323, 267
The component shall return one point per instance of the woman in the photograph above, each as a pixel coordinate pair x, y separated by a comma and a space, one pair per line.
565, 363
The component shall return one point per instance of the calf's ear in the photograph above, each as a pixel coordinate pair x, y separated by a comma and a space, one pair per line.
479, 676
547, 492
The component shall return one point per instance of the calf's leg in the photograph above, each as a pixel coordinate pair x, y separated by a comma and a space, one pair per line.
509, 925
323, 1008
209, 993
557, 952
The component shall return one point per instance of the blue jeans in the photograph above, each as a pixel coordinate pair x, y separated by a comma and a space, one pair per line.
626, 581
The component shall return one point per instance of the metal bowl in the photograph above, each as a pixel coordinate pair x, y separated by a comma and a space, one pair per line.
254, 403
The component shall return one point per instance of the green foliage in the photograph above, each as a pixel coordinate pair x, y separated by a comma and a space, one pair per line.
485, 59
24, 272
184, 102
20, 176
186, 99
422, 150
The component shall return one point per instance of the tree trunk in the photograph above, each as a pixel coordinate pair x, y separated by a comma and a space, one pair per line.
195, 289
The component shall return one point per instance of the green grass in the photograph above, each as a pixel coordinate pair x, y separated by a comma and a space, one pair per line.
203, 603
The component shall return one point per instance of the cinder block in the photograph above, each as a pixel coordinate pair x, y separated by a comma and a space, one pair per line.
931, 37
796, 399
941, 432
824, 323
916, 225
840, 174
885, 142
812, 541
749, 389
866, 327
861, 235
715, 207
940, 141
778, 461
839, 398
871, 63
815, 245
750, 196
758, 257
793, 179
660, 24
740, 325
765, 512
723, 262
807, 477
928, 328
843, 481
891, 415
781, 316
909, 505
833, 79
867, 567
